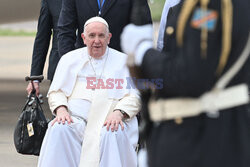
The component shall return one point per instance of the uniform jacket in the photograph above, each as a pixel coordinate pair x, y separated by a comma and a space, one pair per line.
47, 25
76, 12
200, 140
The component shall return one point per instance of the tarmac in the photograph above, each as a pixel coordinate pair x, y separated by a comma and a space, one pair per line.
12, 100
15, 61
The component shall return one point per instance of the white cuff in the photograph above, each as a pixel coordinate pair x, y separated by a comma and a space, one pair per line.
141, 50
56, 99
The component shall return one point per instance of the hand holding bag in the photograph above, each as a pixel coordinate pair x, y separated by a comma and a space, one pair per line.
31, 126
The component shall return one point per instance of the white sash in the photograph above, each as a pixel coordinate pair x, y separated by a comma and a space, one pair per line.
90, 154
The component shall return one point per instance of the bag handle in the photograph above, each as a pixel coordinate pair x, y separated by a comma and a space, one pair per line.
32, 78
33, 92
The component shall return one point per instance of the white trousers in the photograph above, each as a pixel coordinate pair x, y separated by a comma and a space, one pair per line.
62, 145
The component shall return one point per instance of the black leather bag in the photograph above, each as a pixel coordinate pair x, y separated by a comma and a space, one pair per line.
31, 127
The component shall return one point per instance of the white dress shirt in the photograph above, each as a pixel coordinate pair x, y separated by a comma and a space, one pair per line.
168, 4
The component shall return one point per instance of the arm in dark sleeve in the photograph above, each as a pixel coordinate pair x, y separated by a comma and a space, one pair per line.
148, 19
153, 57
141, 13
167, 69
180, 74
42, 40
67, 25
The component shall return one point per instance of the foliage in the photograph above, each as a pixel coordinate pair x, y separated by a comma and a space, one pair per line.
9, 32
156, 7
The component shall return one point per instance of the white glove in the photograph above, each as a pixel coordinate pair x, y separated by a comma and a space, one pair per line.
132, 36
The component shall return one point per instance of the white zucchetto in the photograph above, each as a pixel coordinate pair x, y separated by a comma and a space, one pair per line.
96, 19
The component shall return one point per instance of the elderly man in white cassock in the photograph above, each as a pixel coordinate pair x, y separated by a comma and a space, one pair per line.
95, 106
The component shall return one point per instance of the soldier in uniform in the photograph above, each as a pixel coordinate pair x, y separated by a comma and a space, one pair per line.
201, 116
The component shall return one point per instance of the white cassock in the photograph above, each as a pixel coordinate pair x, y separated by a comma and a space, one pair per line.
86, 142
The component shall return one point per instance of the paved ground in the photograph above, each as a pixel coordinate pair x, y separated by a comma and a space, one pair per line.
15, 56
12, 99
15, 60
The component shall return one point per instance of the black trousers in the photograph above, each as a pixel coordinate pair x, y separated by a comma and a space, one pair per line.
202, 141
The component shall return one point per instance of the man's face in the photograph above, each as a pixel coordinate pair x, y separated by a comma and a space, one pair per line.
96, 37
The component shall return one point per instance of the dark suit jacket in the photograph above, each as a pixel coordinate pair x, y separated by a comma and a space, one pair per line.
47, 25
75, 13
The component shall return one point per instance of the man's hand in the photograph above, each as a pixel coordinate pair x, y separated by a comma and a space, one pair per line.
36, 86
113, 120
62, 115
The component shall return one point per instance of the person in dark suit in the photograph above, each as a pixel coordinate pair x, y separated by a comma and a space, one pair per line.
75, 13
47, 25
199, 118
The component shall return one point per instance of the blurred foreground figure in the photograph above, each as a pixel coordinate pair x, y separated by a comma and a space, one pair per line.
200, 117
